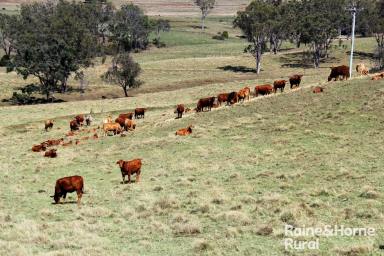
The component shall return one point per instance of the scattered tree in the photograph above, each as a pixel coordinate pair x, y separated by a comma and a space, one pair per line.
159, 26
205, 6
124, 73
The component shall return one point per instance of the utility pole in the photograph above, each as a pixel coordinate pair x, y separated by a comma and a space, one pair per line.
353, 10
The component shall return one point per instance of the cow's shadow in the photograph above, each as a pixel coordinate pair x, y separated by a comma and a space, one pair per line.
237, 69
126, 182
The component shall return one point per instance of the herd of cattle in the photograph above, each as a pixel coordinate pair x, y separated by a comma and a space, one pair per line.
124, 123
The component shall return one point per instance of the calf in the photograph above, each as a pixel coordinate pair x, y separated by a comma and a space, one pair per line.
180, 110
80, 119
51, 153
139, 112
114, 127
205, 103
222, 97
279, 84
48, 125
88, 120
263, 89
244, 93
184, 131
68, 185
295, 80
39, 148
129, 168
318, 89
337, 72
362, 69
129, 125
74, 125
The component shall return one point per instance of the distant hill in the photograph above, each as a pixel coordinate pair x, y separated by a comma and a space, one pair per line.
167, 7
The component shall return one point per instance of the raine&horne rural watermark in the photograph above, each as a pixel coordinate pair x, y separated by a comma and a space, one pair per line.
292, 234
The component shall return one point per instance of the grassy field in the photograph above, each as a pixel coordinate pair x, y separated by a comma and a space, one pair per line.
228, 189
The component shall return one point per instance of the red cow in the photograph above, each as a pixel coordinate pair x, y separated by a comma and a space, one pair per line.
233, 98
184, 131
244, 93
80, 119
74, 125
279, 84
128, 115
51, 153
263, 89
39, 148
222, 97
318, 89
68, 185
48, 124
129, 168
205, 103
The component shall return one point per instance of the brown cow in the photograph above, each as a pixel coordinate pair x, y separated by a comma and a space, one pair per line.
68, 185
129, 168
205, 103
244, 93
295, 80
233, 98
129, 125
115, 127
222, 97
128, 115
318, 89
74, 125
39, 148
263, 89
51, 153
139, 112
80, 119
184, 131
120, 120
279, 84
48, 124
337, 72
180, 110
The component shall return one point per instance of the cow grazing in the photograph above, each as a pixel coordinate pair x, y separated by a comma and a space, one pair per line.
244, 93
205, 103
39, 148
80, 119
184, 131
180, 110
279, 84
318, 89
139, 112
48, 125
128, 115
129, 125
129, 168
295, 80
112, 127
337, 72
68, 185
51, 153
74, 125
263, 89
233, 98
362, 69
88, 120
222, 97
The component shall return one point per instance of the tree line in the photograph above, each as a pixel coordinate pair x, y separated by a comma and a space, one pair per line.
315, 23
53, 40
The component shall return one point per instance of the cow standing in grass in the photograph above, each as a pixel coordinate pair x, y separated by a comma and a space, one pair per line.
68, 185
129, 168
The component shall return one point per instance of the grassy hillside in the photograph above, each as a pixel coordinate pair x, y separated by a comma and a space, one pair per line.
302, 158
